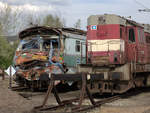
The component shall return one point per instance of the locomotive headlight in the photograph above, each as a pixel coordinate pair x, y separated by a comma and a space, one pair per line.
115, 57
89, 58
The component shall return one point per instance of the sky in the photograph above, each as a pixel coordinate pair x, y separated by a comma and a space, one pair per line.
72, 10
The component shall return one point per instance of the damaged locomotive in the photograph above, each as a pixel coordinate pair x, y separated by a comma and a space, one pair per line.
45, 50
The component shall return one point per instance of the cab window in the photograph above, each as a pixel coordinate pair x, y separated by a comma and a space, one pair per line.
131, 35
148, 39
77, 46
120, 32
141, 36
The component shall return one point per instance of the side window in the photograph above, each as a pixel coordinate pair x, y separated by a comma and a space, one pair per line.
141, 36
120, 32
131, 35
147, 39
77, 46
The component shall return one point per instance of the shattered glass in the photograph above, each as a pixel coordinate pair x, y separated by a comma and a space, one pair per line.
39, 54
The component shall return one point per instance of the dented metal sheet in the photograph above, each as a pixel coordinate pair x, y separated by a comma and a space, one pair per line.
42, 50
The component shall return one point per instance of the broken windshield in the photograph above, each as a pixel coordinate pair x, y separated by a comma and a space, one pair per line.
39, 43
34, 43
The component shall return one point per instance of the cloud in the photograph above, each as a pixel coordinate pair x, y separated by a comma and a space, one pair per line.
42, 7
72, 10
30, 8
82, 10
22, 15
37, 2
34, 8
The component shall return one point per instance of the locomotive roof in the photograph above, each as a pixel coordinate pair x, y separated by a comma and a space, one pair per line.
115, 19
111, 19
45, 30
146, 28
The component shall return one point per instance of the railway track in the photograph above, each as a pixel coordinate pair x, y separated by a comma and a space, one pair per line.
76, 104
71, 106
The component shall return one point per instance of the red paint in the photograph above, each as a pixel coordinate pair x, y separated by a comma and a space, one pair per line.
110, 55
138, 51
104, 32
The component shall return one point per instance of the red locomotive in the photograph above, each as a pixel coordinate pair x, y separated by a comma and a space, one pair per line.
118, 50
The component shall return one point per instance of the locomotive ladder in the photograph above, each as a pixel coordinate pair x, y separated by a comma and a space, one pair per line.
83, 93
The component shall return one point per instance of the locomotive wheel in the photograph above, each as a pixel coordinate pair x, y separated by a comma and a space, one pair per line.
139, 81
20, 81
33, 85
148, 81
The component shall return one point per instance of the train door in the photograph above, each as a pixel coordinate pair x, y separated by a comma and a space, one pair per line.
141, 48
123, 47
147, 38
131, 45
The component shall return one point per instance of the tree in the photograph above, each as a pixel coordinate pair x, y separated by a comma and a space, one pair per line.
5, 18
6, 50
34, 19
9, 19
53, 21
77, 25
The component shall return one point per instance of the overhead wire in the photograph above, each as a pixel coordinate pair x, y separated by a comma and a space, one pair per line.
141, 4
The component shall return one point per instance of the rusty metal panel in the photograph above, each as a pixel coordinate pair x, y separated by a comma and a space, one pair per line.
125, 69
106, 19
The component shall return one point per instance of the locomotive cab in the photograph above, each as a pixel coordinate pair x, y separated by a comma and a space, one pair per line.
44, 50
38, 54
105, 40
112, 39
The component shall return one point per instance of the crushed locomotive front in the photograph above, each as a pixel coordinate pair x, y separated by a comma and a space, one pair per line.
42, 51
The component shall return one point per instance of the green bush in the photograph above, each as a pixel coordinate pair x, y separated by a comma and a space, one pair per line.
6, 52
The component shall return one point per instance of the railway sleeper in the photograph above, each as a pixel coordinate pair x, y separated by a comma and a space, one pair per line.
88, 83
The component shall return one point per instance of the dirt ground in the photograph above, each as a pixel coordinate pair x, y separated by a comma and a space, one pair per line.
13, 102
135, 104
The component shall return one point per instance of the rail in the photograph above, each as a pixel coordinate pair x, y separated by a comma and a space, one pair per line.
84, 93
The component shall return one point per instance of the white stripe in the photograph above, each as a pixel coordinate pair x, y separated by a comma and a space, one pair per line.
106, 45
